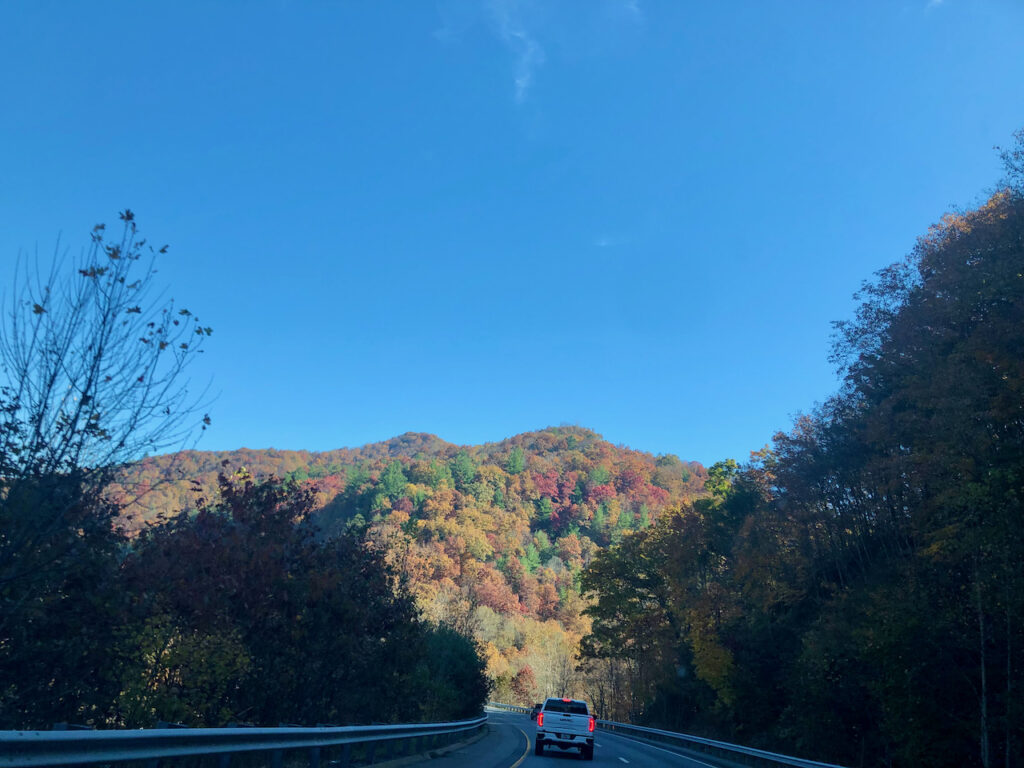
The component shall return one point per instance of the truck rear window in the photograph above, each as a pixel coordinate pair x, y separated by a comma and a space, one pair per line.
571, 707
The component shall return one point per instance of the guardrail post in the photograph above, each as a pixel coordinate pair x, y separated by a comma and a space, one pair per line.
276, 758
371, 751
346, 755
314, 757
225, 761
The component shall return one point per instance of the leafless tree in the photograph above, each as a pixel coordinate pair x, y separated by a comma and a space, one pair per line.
92, 375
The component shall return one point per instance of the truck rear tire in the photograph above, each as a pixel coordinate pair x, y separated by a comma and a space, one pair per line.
588, 753
538, 747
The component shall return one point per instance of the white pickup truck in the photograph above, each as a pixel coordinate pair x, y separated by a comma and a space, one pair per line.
567, 724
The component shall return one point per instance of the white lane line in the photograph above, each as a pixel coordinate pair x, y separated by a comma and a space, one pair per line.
624, 760
596, 744
666, 751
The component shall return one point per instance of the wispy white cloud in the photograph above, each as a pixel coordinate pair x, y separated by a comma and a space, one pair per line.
508, 21
516, 23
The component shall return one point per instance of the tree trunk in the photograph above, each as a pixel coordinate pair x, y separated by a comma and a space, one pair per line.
983, 743
1009, 669
1009, 681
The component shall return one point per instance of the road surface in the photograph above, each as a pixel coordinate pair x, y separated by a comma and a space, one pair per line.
508, 743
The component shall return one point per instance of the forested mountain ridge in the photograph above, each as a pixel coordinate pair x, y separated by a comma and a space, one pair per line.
167, 483
492, 539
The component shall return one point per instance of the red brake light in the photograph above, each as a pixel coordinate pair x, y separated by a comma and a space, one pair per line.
567, 700
540, 719
591, 726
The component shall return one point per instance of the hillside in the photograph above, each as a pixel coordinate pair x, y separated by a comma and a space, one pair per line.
492, 538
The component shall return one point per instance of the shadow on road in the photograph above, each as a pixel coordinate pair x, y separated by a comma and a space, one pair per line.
558, 754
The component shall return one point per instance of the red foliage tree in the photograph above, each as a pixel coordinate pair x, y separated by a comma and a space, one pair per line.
546, 484
523, 685
491, 590
629, 479
548, 599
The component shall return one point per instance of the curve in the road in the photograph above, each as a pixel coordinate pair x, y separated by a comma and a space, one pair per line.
508, 732
526, 751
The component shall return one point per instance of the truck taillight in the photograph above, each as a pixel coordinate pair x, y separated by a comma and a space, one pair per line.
591, 726
540, 719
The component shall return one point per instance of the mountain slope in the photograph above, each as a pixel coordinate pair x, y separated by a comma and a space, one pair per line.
492, 538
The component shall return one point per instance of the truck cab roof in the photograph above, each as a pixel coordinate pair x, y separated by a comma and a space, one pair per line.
569, 706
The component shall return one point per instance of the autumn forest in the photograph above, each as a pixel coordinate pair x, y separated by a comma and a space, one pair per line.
851, 591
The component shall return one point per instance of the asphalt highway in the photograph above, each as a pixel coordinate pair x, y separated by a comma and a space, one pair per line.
508, 743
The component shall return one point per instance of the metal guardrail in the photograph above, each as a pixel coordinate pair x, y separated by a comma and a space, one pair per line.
732, 753
508, 707
33, 749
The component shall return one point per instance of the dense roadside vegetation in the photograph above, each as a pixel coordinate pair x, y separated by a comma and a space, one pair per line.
855, 591
236, 611
236, 608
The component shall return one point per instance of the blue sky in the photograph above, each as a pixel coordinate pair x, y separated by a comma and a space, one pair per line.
480, 218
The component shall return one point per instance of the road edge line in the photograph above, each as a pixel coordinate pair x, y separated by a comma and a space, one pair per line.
519, 762
661, 749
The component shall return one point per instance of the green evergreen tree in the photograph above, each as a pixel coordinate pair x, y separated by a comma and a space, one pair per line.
440, 474
578, 493
393, 481
544, 509
530, 559
543, 544
516, 461
357, 477
463, 469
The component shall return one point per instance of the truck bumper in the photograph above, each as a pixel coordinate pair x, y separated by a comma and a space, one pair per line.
565, 741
